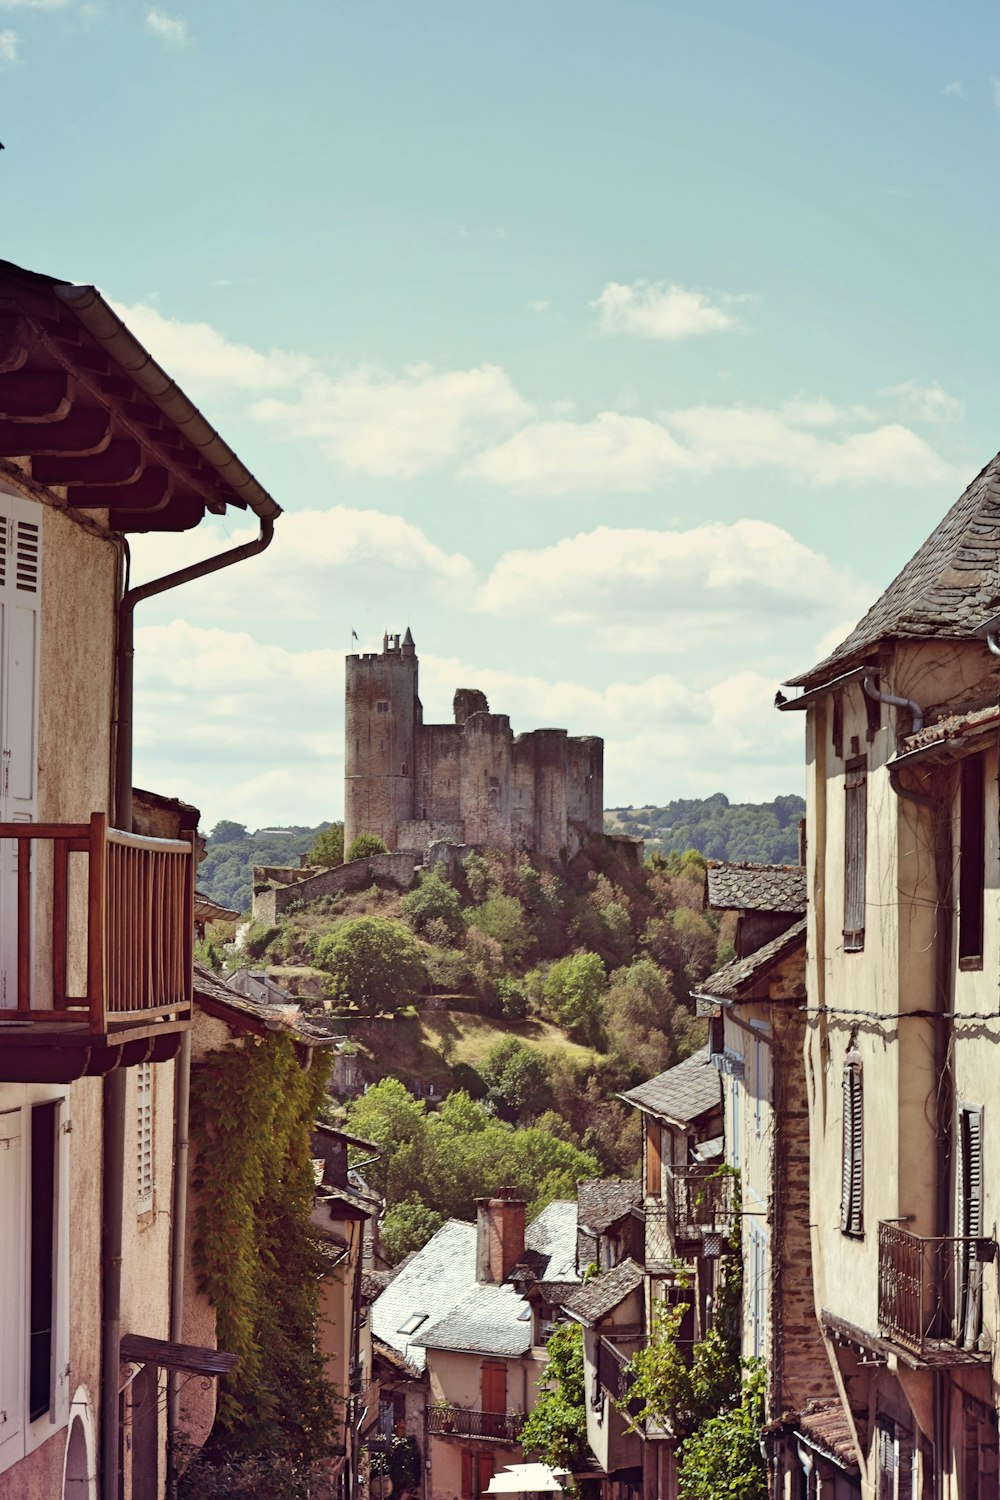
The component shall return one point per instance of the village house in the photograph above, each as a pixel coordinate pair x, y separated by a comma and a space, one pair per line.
96, 918
457, 1309
902, 1020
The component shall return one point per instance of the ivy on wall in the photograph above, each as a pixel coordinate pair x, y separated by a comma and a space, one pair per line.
256, 1254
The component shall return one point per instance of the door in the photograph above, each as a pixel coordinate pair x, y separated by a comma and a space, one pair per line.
20, 600
494, 1398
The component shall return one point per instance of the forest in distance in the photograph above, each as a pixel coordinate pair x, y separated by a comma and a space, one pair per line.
765, 832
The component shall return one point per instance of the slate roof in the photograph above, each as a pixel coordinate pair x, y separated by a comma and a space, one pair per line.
948, 588
732, 981
463, 1313
683, 1093
597, 1297
752, 887
250, 1015
602, 1202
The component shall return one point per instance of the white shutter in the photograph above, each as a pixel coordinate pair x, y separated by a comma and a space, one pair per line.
20, 617
12, 1288
144, 1137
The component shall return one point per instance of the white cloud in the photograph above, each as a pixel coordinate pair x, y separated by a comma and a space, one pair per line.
322, 567
398, 426
926, 403
654, 310
639, 590
540, 305
172, 31
33, 4
956, 88
197, 354
614, 451
9, 41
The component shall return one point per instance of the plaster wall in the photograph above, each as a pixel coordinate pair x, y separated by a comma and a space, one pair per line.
608, 1436
457, 1379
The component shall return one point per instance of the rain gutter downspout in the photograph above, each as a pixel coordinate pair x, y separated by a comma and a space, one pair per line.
879, 697
115, 1082
940, 833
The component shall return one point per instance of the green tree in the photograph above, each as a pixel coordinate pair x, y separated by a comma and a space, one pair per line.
556, 1428
373, 962
328, 847
407, 1226
365, 845
435, 900
226, 832
503, 919
647, 1030
389, 1115
574, 995
722, 1459
517, 1078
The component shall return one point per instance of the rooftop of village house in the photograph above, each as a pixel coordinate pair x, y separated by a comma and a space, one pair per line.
601, 1202
736, 979
755, 887
947, 589
597, 1297
683, 1093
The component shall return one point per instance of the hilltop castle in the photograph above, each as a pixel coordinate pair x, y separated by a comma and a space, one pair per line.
470, 782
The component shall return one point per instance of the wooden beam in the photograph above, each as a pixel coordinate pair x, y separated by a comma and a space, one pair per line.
119, 463
151, 491
183, 512
82, 431
33, 396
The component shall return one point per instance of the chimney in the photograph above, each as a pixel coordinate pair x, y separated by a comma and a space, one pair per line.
499, 1235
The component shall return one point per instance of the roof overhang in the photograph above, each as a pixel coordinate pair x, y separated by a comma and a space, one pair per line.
811, 695
91, 423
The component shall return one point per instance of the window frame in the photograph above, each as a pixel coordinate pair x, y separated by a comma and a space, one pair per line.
30, 1433
852, 1203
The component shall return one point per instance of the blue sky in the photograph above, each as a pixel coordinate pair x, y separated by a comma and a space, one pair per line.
624, 351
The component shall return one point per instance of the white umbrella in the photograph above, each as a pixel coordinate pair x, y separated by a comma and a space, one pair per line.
527, 1479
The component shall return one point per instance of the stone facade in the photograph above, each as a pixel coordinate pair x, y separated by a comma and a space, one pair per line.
471, 782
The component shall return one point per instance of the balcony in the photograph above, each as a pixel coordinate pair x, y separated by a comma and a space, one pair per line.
458, 1421
694, 1218
930, 1294
96, 934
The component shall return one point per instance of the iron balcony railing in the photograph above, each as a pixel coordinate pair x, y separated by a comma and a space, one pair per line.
613, 1374
930, 1289
459, 1421
696, 1214
98, 925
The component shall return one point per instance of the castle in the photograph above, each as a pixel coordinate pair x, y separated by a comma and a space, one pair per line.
472, 782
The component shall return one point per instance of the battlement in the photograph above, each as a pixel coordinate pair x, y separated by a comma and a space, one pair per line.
540, 791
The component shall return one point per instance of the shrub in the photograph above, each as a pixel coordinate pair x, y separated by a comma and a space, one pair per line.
435, 902
365, 845
373, 962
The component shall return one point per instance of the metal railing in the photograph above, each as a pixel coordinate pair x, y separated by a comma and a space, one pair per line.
96, 925
613, 1374
929, 1288
698, 1204
459, 1421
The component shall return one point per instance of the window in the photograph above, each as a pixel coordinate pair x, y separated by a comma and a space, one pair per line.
735, 1141
852, 1208
894, 1457
855, 853
477, 1471
972, 863
969, 1225
381, 706
144, 1138
34, 1254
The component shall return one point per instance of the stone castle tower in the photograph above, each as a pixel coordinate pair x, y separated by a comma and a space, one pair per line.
470, 782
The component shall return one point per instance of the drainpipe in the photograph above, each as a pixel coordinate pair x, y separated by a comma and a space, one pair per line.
115, 1082
943, 1093
876, 693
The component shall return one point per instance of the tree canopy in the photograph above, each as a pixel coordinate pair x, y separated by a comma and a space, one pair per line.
327, 847
556, 1428
373, 962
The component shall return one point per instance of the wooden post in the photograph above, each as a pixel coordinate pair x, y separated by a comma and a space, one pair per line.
60, 897
96, 921
24, 944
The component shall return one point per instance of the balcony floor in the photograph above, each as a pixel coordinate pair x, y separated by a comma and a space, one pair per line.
937, 1354
37, 1050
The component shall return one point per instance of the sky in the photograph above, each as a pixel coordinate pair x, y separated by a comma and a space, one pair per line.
622, 349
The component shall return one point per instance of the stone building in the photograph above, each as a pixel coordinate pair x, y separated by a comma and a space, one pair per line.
472, 782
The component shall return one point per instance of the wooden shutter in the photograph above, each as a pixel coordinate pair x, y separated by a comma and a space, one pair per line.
494, 1395
654, 1158
12, 1287
969, 1224
972, 860
855, 853
851, 1212
468, 1474
484, 1472
144, 1137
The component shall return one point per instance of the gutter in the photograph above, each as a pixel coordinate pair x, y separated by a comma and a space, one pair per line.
98, 318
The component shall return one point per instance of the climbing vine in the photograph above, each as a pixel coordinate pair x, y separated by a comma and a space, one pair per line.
257, 1258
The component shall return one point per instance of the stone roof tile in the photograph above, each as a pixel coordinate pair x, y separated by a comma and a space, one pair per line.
683, 1093
601, 1202
733, 980
755, 887
597, 1297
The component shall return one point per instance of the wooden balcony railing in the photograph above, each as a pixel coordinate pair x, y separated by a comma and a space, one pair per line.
698, 1205
930, 1290
458, 1421
100, 927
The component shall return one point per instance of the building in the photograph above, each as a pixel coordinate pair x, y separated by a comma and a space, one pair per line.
458, 1310
471, 782
96, 918
902, 1019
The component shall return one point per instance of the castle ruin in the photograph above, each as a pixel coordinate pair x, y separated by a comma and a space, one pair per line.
472, 782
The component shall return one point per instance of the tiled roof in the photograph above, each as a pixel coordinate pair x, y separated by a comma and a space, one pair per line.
596, 1298
552, 1238
733, 980
957, 726
432, 1283
484, 1321
249, 1015
826, 1427
750, 887
382, 1350
683, 1093
602, 1202
948, 588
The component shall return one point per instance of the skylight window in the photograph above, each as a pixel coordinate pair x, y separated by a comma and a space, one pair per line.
412, 1323
524, 1316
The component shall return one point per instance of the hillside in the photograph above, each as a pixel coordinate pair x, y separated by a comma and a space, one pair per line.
226, 872
717, 828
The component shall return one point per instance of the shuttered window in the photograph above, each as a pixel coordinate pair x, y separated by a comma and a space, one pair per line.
653, 1158
855, 853
969, 1224
851, 1212
972, 862
144, 1137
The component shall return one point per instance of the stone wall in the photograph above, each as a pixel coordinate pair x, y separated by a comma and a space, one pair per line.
399, 869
